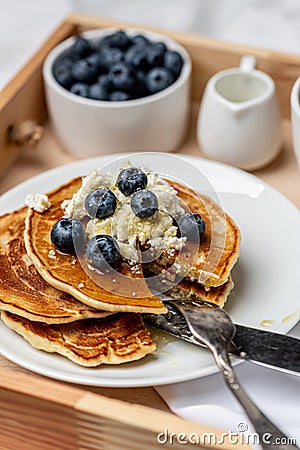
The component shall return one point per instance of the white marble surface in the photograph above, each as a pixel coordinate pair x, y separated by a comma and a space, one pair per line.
266, 23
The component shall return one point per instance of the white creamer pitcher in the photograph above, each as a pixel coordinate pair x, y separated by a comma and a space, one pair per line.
239, 121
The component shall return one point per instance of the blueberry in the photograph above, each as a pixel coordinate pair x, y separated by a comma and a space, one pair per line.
140, 40
81, 48
102, 250
98, 92
131, 179
100, 203
174, 62
62, 72
68, 235
84, 71
117, 67
136, 56
192, 226
144, 203
65, 61
94, 60
103, 42
103, 80
139, 90
81, 89
109, 56
140, 75
119, 96
120, 76
158, 79
119, 40
155, 54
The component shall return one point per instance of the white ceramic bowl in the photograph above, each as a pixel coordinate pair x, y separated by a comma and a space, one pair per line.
88, 127
295, 116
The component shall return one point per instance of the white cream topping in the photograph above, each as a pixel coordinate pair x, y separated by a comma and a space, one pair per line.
38, 202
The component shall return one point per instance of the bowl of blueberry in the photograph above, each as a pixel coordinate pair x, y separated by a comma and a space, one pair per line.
113, 90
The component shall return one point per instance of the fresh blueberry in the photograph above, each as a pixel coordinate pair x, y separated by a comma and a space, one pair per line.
174, 62
103, 80
119, 96
136, 56
100, 203
130, 180
140, 40
98, 92
120, 76
81, 48
62, 72
110, 56
158, 79
94, 60
140, 75
68, 236
81, 89
192, 226
140, 89
103, 42
144, 203
102, 250
117, 68
65, 61
84, 71
119, 40
155, 54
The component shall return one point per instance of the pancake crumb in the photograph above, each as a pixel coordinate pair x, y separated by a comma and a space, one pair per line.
38, 202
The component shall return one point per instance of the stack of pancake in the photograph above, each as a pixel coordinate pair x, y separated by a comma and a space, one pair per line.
52, 301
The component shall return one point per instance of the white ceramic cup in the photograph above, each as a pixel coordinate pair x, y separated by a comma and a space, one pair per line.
239, 120
295, 116
89, 127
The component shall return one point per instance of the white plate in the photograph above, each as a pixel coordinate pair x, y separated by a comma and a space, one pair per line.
266, 276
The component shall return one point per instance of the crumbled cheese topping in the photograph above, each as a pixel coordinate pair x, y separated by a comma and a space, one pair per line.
75, 206
38, 202
157, 231
65, 204
52, 253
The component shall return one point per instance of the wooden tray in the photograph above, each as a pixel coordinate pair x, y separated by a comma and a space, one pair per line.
38, 413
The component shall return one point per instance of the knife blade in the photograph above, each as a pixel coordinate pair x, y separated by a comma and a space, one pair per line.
257, 346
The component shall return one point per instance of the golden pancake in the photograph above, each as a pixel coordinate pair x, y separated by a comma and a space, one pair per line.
189, 290
219, 248
61, 272
22, 290
116, 339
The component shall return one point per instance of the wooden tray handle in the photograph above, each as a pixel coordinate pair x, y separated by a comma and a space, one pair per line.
28, 132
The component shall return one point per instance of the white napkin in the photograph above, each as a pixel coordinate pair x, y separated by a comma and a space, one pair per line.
208, 401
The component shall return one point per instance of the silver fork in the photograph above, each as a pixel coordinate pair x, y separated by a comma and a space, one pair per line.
213, 327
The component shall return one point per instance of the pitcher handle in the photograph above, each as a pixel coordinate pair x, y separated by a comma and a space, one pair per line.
247, 63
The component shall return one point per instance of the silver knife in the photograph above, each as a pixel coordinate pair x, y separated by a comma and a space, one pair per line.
257, 346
